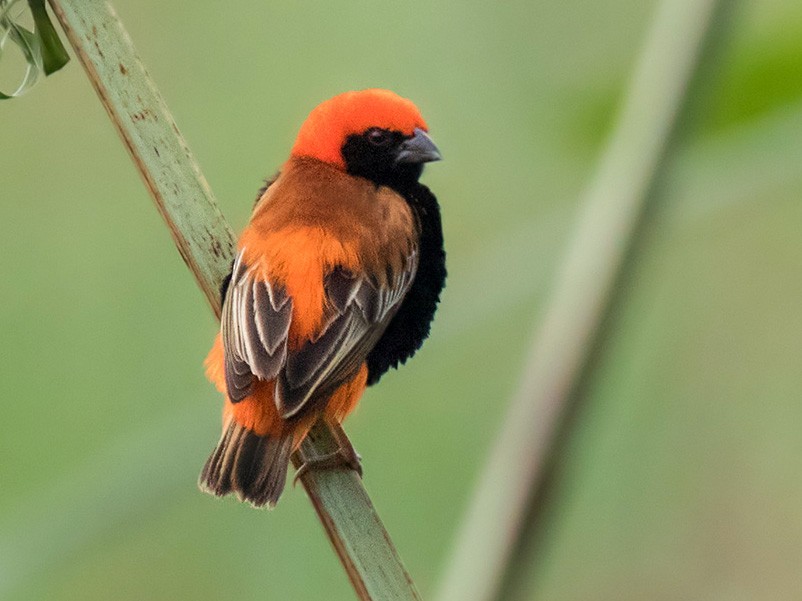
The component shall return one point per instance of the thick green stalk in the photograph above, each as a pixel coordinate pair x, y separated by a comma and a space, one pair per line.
558, 356
205, 241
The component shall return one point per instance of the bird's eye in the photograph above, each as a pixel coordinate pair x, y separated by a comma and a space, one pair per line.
379, 137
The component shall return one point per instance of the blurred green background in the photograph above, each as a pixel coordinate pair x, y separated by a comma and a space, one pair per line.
681, 479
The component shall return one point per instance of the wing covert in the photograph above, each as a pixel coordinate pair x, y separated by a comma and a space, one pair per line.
360, 309
255, 323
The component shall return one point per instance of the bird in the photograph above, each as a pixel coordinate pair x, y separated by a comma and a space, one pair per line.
335, 280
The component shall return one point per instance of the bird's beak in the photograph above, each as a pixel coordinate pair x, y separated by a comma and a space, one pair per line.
418, 149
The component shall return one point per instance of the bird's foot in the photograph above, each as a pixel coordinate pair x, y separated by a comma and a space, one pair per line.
341, 458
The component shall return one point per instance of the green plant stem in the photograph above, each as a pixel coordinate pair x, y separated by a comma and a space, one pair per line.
560, 348
206, 244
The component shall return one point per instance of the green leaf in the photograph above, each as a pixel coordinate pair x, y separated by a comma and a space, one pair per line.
54, 55
41, 48
26, 42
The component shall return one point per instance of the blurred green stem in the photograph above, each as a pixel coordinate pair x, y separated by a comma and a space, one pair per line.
206, 244
608, 222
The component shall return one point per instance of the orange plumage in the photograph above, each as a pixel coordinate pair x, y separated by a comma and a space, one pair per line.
336, 279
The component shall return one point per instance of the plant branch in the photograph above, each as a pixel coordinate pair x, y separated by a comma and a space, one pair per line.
206, 244
608, 222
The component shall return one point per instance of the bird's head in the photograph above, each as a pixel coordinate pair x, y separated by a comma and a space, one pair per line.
374, 133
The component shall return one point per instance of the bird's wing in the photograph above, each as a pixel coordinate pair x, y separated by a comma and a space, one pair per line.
254, 325
360, 309
256, 322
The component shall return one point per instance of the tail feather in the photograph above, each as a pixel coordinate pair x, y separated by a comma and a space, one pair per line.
252, 466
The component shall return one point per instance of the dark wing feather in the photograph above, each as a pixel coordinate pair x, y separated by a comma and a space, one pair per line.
361, 308
255, 322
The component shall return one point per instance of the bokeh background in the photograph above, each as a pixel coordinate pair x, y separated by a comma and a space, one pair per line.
681, 477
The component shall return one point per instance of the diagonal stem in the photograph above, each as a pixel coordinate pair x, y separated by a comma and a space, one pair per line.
206, 244
608, 223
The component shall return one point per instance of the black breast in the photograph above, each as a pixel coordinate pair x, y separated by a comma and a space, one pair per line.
410, 326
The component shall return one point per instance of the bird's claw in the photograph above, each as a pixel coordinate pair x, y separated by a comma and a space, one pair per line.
341, 458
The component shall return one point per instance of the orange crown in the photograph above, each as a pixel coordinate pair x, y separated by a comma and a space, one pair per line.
328, 125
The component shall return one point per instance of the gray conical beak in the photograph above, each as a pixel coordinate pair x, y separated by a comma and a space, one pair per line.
418, 149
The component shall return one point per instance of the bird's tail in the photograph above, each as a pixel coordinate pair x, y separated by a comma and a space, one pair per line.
252, 466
